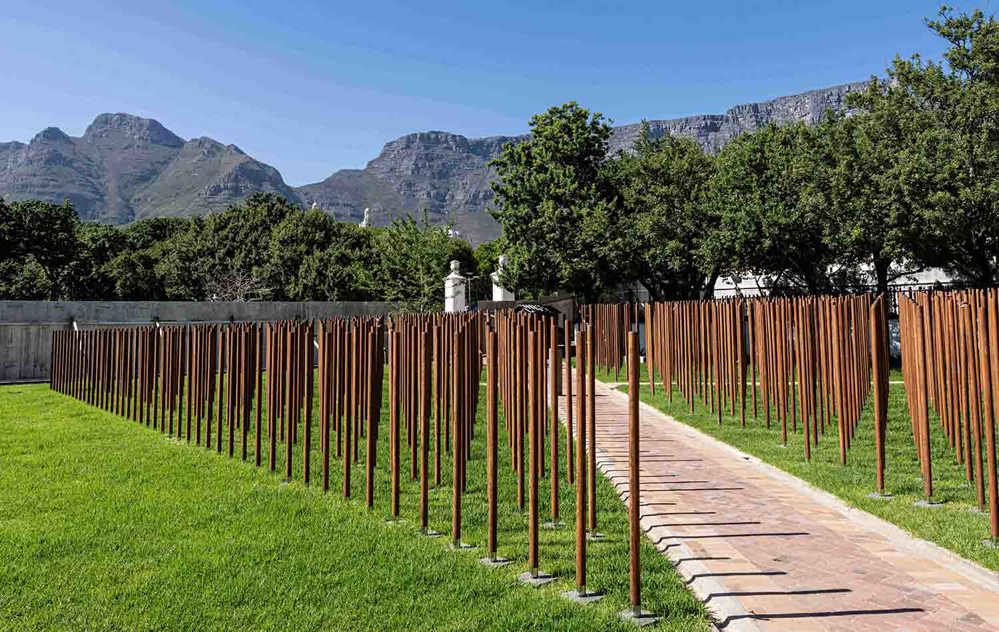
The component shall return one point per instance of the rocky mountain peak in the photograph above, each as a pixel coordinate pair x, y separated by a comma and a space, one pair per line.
51, 135
124, 128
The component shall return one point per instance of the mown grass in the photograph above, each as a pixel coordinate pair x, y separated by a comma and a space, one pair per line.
956, 524
106, 524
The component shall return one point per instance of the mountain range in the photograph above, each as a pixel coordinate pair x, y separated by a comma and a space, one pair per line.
125, 167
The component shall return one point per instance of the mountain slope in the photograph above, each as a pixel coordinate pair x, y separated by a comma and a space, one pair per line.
125, 167
449, 174
206, 175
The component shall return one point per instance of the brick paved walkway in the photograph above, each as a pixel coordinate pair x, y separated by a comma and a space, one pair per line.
766, 551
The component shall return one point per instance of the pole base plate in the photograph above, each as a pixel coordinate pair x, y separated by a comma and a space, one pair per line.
494, 563
536, 580
641, 618
879, 496
584, 598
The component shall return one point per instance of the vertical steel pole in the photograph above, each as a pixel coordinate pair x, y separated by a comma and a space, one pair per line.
634, 494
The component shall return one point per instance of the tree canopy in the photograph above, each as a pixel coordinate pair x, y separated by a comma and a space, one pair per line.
906, 179
265, 248
555, 204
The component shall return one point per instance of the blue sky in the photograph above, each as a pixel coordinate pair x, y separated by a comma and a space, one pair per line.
311, 87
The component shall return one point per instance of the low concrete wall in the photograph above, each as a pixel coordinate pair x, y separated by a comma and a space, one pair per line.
26, 326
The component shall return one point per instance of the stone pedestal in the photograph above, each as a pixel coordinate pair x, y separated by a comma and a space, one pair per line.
455, 294
500, 293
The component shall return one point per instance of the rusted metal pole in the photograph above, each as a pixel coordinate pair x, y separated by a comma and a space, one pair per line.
553, 441
350, 384
569, 462
880, 370
922, 412
581, 493
992, 410
423, 358
492, 436
458, 450
369, 414
532, 429
591, 430
395, 337
634, 494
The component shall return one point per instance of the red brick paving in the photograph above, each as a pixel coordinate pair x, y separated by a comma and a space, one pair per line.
768, 552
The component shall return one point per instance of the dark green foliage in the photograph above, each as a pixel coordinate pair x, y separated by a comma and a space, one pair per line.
414, 258
907, 179
265, 248
944, 117
556, 204
37, 245
666, 217
771, 218
342, 270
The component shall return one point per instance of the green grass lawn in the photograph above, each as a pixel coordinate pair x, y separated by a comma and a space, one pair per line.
608, 375
955, 524
106, 524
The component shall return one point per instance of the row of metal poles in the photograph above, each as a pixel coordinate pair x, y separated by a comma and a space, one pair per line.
806, 360
206, 383
950, 360
817, 360
214, 384
435, 366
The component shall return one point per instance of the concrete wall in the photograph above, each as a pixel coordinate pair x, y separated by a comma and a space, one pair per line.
26, 326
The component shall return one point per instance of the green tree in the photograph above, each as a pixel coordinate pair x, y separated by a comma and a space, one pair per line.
414, 258
87, 275
556, 205
487, 256
297, 236
146, 233
25, 280
947, 169
771, 216
226, 249
40, 243
133, 276
665, 219
873, 221
340, 272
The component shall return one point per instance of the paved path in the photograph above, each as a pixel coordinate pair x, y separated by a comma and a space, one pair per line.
767, 551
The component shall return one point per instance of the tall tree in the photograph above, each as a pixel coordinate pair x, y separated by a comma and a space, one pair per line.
873, 221
665, 219
556, 206
342, 270
948, 167
40, 243
297, 236
770, 217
